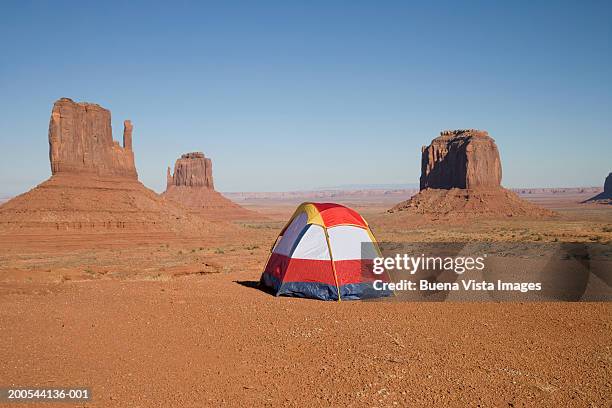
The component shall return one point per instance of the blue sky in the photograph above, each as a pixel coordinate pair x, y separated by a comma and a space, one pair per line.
288, 95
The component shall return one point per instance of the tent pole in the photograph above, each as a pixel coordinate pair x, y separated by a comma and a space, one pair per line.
331, 258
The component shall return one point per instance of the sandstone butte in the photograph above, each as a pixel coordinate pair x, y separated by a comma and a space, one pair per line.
94, 184
192, 186
461, 176
605, 197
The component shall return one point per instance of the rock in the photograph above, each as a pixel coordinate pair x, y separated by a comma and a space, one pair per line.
465, 158
193, 170
608, 185
127, 134
94, 186
456, 203
461, 177
81, 142
169, 178
192, 186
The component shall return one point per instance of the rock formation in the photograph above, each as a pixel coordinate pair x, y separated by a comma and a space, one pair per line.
605, 197
94, 186
192, 186
81, 142
461, 159
461, 175
192, 170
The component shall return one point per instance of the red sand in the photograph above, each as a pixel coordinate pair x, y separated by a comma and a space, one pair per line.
152, 318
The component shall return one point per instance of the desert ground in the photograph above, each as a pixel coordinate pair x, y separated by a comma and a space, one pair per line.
155, 319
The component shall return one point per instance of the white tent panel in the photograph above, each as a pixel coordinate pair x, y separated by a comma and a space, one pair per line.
286, 243
312, 245
349, 242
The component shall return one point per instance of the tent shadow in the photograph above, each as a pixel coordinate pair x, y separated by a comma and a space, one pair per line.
256, 285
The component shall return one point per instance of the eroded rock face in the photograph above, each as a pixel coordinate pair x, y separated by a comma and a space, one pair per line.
608, 185
191, 170
465, 158
461, 178
94, 186
192, 186
81, 142
127, 134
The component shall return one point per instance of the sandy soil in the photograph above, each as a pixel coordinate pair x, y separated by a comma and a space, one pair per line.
151, 320
210, 340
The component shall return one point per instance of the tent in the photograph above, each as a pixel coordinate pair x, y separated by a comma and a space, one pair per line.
325, 252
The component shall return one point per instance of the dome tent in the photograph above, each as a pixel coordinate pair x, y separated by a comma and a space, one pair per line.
325, 252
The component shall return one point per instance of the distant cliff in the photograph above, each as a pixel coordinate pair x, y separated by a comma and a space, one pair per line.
465, 158
81, 141
461, 177
192, 170
192, 186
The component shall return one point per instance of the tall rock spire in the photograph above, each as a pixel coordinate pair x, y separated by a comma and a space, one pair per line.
127, 134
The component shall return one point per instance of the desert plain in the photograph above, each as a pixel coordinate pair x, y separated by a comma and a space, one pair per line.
142, 253
171, 320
